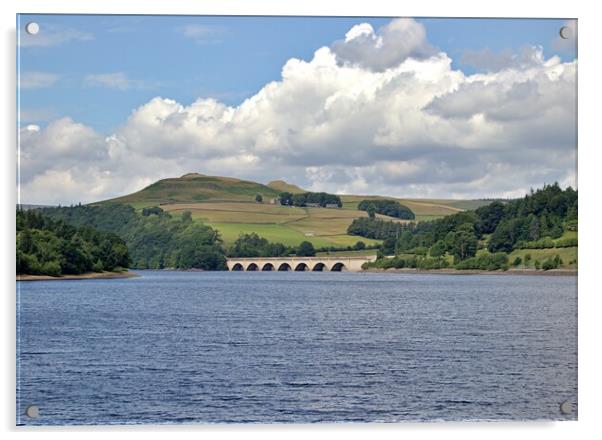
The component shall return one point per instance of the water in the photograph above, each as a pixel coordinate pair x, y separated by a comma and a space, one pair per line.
176, 347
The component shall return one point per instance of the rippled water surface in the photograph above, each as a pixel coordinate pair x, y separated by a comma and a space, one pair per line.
177, 347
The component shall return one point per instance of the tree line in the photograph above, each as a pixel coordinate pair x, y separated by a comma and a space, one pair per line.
391, 208
155, 239
496, 261
542, 214
253, 246
309, 198
53, 247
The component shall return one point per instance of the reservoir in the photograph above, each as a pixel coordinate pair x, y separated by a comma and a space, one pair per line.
303, 347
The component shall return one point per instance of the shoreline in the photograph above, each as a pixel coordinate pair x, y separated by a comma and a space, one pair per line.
410, 271
84, 276
531, 272
407, 271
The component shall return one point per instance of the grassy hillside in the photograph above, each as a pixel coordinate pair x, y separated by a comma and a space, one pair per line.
568, 255
287, 225
193, 187
228, 205
282, 186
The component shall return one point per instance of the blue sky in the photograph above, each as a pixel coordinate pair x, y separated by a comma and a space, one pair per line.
231, 61
440, 108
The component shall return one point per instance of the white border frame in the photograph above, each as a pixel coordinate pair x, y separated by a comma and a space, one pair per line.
590, 294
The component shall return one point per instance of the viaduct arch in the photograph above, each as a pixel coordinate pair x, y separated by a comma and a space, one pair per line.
299, 264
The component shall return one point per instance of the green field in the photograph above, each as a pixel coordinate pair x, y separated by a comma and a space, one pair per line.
453, 203
238, 212
283, 234
283, 224
362, 253
568, 256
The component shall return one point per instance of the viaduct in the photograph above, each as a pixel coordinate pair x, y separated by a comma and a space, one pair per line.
299, 264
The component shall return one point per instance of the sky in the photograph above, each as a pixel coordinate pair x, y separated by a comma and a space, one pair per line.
438, 108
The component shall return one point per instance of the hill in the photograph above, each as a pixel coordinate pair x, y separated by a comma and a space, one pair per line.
228, 205
282, 186
192, 188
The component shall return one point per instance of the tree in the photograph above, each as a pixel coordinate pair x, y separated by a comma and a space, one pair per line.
391, 208
248, 245
360, 245
302, 199
286, 198
259, 198
252, 245
152, 210
388, 246
465, 245
503, 238
405, 241
490, 216
306, 249
186, 217
371, 210
299, 200
533, 228
438, 249
76, 259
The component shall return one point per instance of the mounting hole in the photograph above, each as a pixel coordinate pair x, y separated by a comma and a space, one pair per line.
566, 407
32, 28
32, 411
565, 32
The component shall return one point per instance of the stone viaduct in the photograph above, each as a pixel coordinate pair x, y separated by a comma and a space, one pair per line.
299, 264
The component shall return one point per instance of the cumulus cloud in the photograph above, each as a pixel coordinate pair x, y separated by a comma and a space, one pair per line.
406, 124
489, 61
519, 94
400, 39
37, 80
62, 143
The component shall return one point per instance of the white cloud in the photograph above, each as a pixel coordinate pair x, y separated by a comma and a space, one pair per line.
52, 35
400, 39
201, 34
415, 128
37, 80
489, 61
117, 80
61, 144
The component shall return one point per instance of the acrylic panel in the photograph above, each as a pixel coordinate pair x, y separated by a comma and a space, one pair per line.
246, 219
